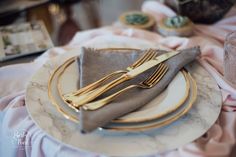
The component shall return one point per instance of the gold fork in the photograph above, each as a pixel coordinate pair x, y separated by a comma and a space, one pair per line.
148, 55
151, 81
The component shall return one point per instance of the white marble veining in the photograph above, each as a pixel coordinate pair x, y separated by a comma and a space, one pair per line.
195, 123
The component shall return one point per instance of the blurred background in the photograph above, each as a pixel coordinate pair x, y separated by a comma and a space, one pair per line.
63, 18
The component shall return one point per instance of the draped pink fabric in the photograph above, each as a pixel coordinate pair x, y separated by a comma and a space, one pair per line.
21, 137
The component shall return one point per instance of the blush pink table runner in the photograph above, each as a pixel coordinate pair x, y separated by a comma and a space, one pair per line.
19, 136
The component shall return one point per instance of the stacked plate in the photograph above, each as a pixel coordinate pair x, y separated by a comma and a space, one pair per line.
158, 126
164, 109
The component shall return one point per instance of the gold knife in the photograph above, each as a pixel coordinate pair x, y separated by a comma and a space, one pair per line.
147, 65
80, 100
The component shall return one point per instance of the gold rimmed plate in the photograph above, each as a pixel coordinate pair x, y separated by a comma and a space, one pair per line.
165, 103
120, 126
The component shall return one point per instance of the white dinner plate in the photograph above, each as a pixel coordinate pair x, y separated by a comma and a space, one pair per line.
148, 123
168, 101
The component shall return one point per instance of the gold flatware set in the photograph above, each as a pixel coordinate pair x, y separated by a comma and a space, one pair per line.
84, 97
151, 81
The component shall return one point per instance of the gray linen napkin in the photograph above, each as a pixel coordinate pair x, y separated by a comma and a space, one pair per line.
94, 64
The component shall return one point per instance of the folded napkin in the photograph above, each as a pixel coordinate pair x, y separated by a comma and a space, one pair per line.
94, 64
